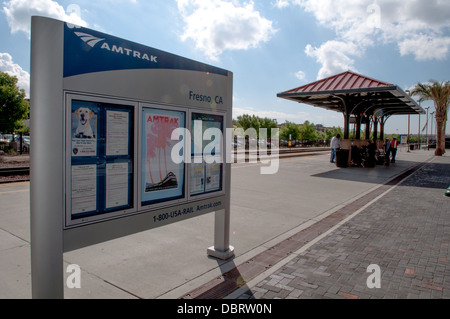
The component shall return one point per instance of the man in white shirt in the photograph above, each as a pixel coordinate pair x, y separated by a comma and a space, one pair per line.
335, 144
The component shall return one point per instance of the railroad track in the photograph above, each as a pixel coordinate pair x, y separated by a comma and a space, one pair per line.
14, 171
21, 171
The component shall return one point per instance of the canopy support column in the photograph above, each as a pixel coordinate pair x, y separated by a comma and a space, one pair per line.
346, 126
375, 128
382, 121
358, 127
346, 112
367, 121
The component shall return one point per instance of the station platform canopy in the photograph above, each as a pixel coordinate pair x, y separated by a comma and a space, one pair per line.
357, 97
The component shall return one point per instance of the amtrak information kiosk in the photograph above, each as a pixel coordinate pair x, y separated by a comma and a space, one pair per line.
123, 139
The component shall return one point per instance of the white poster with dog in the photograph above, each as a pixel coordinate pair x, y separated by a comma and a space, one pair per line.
84, 129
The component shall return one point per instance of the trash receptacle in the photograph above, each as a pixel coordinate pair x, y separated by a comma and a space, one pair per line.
342, 158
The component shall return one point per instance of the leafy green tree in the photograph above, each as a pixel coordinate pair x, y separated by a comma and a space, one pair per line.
13, 107
439, 93
320, 135
290, 130
307, 131
333, 131
246, 121
252, 121
268, 124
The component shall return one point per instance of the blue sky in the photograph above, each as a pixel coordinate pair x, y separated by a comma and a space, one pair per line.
270, 46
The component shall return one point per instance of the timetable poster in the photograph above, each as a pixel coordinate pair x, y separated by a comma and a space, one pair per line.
162, 178
199, 143
117, 135
84, 189
197, 178
84, 129
213, 177
117, 185
206, 177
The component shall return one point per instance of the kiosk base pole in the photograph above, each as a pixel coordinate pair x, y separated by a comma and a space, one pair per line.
221, 249
224, 255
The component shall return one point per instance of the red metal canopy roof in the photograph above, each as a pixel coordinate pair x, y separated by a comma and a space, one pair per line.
353, 93
343, 81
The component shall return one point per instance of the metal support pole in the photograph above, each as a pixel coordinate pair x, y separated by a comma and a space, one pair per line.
346, 126
426, 130
46, 182
367, 120
432, 118
221, 249
407, 140
358, 128
375, 128
419, 130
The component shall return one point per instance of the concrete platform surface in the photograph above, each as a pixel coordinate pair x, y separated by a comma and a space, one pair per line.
171, 261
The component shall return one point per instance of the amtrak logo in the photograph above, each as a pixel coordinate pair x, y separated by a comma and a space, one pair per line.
89, 39
92, 41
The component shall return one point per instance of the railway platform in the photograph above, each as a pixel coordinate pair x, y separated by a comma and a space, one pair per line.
309, 231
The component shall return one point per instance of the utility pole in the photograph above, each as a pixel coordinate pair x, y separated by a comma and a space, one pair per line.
407, 140
426, 128
432, 115
419, 128
409, 119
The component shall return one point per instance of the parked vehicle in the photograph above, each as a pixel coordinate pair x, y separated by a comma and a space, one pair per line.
26, 142
432, 143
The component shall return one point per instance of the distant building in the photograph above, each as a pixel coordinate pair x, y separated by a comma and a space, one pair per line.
320, 128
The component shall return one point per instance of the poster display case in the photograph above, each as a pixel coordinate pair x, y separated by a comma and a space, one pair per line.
162, 180
207, 153
101, 159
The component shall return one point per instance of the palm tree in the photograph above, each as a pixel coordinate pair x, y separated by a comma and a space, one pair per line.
439, 92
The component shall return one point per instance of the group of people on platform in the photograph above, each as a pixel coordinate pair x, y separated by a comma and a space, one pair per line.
368, 155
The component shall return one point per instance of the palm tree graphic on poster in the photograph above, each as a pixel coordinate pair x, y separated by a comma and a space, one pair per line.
161, 175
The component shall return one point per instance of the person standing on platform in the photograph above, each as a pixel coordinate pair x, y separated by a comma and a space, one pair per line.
371, 151
387, 151
394, 149
335, 144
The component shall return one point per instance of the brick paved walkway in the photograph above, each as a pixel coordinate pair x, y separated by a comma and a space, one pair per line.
406, 233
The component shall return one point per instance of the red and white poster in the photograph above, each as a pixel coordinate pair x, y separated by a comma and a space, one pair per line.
162, 179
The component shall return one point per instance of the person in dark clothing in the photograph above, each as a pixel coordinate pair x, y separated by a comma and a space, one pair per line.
394, 149
371, 150
387, 151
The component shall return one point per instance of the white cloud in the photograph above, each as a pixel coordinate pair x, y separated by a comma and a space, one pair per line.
335, 57
281, 117
19, 12
281, 3
8, 66
425, 47
300, 75
219, 25
417, 27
